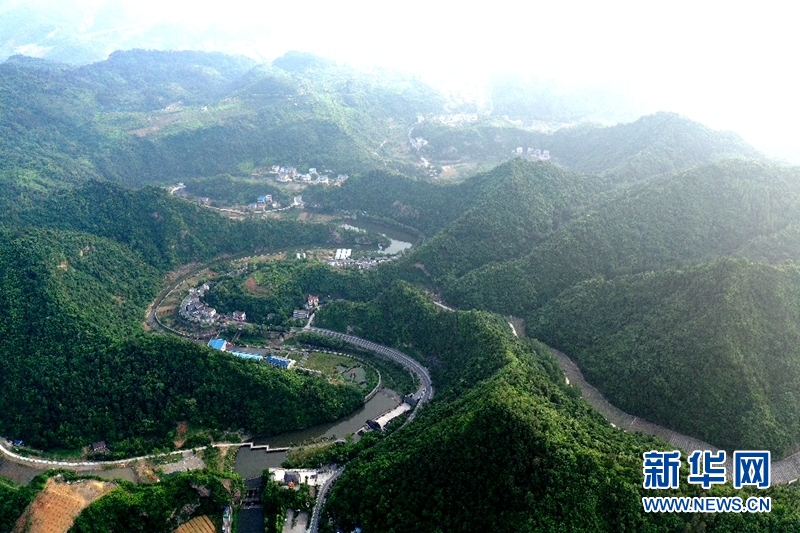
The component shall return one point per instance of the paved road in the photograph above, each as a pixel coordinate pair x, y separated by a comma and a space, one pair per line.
426, 386
391, 353
5, 449
321, 500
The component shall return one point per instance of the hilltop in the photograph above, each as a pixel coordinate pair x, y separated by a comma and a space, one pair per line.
649, 146
149, 116
507, 442
731, 208
143, 117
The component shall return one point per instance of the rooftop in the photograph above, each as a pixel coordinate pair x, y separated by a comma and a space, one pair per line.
218, 344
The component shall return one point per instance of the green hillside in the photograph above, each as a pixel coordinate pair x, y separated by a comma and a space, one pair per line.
165, 231
149, 80
150, 116
710, 351
519, 206
77, 368
160, 507
650, 146
505, 443
632, 333
654, 144
659, 254
725, 209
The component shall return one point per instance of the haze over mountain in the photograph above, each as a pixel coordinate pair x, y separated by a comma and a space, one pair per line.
614, 61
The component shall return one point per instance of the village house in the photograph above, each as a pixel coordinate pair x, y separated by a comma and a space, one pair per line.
99, 447
218, 344
280, 362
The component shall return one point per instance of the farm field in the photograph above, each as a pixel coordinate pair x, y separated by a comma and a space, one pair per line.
199, 524
56, 507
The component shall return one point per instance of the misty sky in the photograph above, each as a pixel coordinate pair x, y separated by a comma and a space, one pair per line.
727, 66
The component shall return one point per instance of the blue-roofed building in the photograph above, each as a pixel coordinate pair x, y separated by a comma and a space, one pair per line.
281, 362
246, 355
218, 344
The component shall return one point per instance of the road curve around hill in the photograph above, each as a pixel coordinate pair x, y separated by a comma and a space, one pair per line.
426, 389
395, 355
323, 492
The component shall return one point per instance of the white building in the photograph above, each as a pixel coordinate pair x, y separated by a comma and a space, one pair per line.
343, 253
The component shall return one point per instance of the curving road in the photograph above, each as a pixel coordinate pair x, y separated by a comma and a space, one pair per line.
315, 515
426, 387
391, 353
5, 449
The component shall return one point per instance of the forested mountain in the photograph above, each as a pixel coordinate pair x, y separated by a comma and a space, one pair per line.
149, 80
77, 368
148, 116
663, 268
652, 329
144, 116
726, 209
79, 267
520, 204
165, 231
506, 443
718, 340
652, 145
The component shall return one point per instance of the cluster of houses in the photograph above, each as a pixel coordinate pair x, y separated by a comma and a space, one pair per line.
193, 309
266, 201
290, 174
271, 359
342, 253
418, 142
534, 154
362, 263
